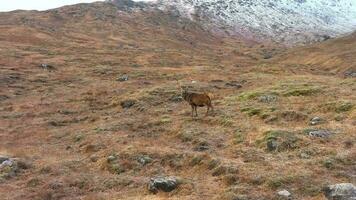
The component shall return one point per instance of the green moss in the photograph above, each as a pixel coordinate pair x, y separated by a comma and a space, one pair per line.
279, 140
248, 95
251, 111
344, 107
302, 91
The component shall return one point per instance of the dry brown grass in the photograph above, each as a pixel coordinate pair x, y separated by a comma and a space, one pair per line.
63, 121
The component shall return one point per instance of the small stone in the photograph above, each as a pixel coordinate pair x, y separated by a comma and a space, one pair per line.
7, 163
127, 103
176, 98
3, 158
267, 98
272, 145
304, 156
342, 191
123, 78
234, 84
94, 158
202, 146
316, 121
285, 194
47, 67
350, 73
143, 160
111, 158
320, 133
166, 184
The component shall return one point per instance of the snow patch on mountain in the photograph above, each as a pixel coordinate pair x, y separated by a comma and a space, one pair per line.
286, 21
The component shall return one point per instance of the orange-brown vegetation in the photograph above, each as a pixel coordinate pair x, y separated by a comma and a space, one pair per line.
83, 142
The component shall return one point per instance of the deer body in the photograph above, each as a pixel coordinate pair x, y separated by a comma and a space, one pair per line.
197, 100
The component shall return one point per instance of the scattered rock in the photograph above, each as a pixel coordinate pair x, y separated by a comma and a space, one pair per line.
9, 167
3, 158
3, 97
127, 103
304, 156
342, 191
94, 158
350, 73
123, 78
267, 55
47, 67
284, 194
267, 98
144, 160
176, 98
320, 133
316, 121
272, 145
202, 146
111, 158
234, 84
280, 140
166, 184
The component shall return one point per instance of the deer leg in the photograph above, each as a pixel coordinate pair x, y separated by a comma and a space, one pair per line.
207, 111
192, 110
196, 112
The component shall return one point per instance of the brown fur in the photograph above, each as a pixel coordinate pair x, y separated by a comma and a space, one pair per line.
197, 100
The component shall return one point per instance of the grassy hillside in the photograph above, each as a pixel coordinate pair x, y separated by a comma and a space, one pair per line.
86, 133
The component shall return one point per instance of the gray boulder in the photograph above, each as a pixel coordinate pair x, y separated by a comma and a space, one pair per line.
284, 194
144, 160
320, 133
166, 184
341, 191
267, 98
123, 78
127, 103
316, 121
3, 158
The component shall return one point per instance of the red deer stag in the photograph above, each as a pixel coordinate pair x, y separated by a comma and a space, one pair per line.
196, 100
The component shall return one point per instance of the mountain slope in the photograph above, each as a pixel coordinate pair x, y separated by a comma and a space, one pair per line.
90, 105
335, 56
289, 22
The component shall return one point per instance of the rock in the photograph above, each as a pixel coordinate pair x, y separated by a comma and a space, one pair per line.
166, 184
176, 98
267, 98
304, 156
202, 146
234, 84
285, 194
341, 191
7, 163
143, 160
3, 158
316, 121
111, 158
94, 158
127, 103
123, 78
320, 133
47, 67
272, 145
350, 73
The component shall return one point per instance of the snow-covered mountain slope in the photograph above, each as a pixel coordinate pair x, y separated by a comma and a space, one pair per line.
286, 21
